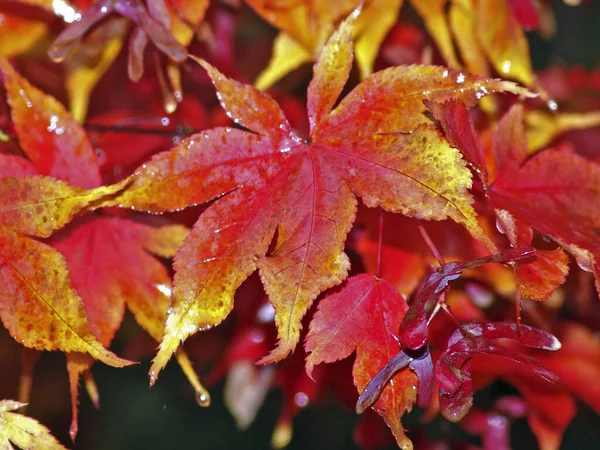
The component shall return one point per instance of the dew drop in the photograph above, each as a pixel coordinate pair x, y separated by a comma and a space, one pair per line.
25, 98
203, 399
301, 399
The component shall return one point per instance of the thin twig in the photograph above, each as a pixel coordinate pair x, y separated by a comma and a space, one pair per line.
431, 245
379, 244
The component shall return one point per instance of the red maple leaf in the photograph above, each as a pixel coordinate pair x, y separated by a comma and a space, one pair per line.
538, 278
364, 315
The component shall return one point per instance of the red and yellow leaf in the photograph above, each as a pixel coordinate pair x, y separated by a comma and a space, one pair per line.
459, 130
364, 315
41, 309
50, 137
110, 267
192, 11
39, 205
537, 279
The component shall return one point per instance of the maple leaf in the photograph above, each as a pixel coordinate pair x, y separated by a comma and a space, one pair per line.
363, 315
23, 431
554, 192
43, 310
536, 279
42, 125
414, 334
53, 141
376, 144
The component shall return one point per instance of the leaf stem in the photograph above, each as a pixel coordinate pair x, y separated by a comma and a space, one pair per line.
431, 245
379, 244
436, 309
448, 311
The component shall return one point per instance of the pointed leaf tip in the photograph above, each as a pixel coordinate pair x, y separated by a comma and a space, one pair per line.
247, 106
330, 72
168, 346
